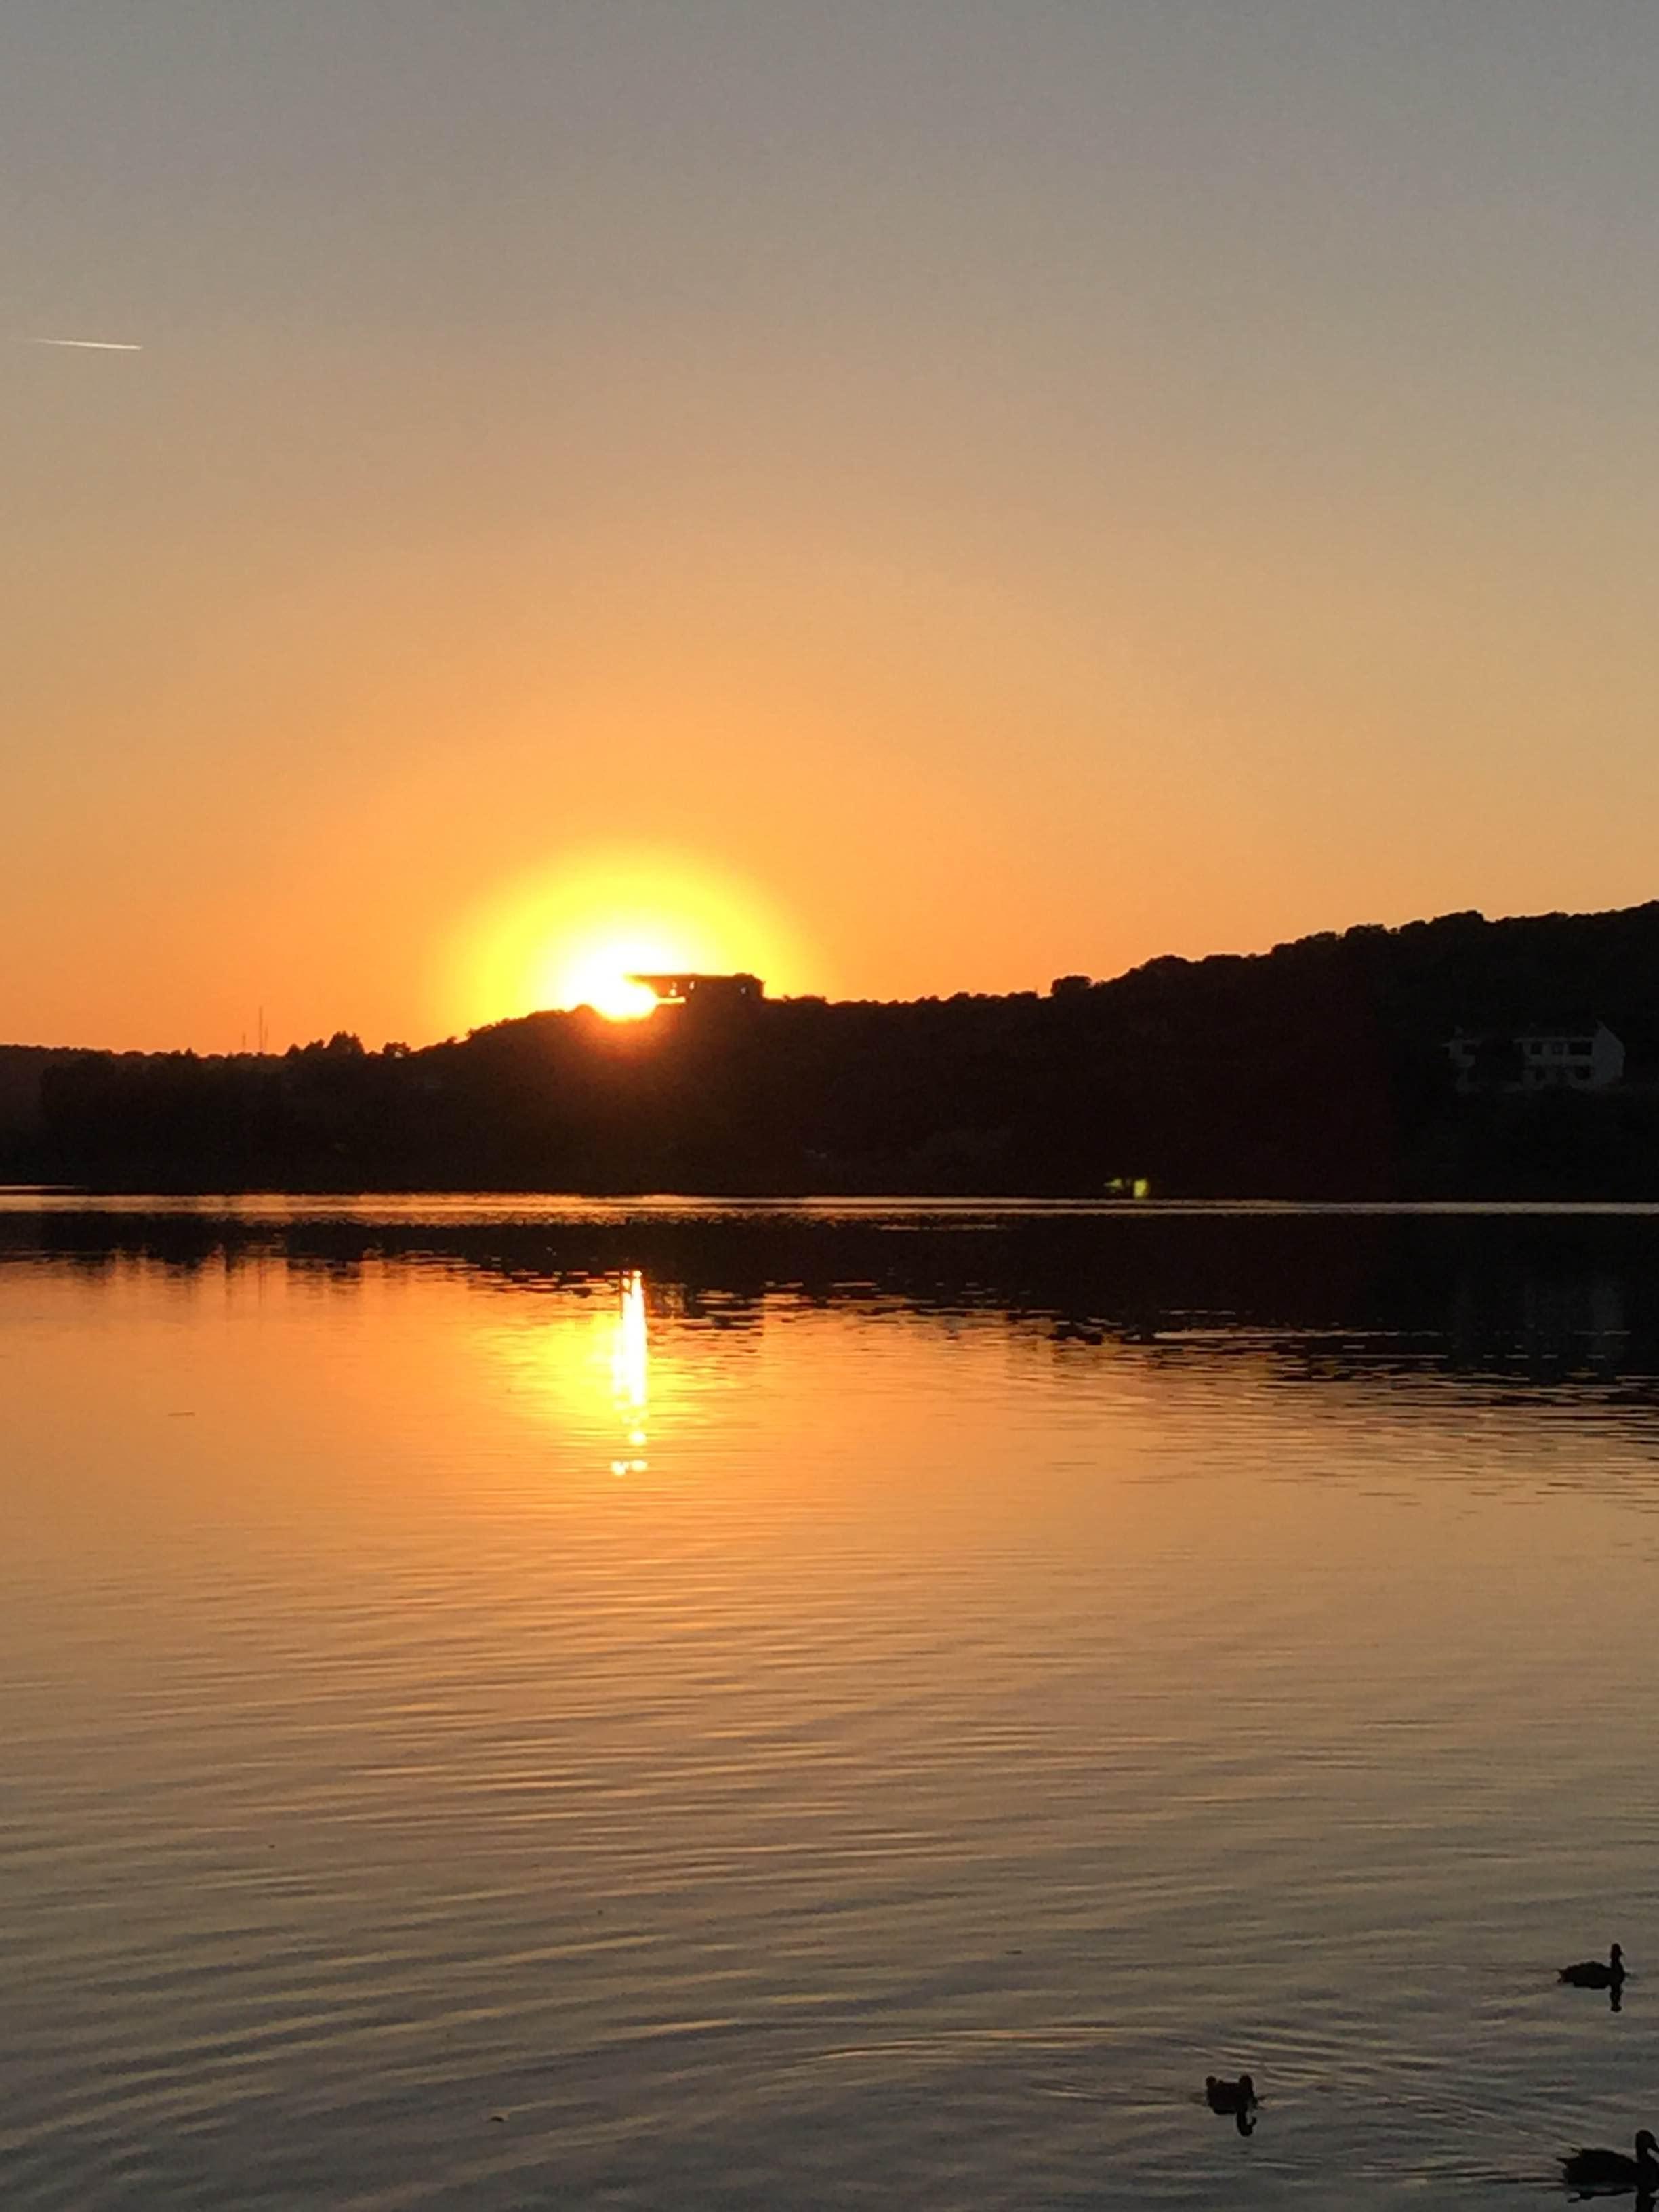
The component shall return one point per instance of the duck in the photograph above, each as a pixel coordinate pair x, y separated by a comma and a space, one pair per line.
1611, 2169
1229, 2096
1597, 1973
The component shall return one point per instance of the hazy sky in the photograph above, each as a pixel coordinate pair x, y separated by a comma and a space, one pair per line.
967, 491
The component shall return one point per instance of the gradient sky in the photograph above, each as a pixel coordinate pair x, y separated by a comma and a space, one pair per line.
982, 490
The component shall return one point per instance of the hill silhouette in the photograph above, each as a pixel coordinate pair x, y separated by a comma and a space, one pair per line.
1317, 1070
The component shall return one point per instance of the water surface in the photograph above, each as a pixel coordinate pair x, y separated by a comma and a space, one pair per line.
645, 1707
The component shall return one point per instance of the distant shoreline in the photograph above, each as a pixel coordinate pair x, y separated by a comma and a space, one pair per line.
1455, 1061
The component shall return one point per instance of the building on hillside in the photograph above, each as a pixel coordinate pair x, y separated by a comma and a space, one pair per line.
703, 990
1574, 1056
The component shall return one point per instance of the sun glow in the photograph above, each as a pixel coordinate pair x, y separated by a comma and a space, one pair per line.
578, 937
604, 980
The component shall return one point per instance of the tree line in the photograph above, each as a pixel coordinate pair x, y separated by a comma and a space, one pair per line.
1317, 1070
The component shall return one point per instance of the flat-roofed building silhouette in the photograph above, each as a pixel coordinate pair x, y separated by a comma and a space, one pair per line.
686, 990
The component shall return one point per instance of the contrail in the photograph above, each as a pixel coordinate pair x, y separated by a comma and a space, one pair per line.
91, 345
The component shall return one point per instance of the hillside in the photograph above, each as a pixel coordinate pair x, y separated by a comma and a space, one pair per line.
1316, 1069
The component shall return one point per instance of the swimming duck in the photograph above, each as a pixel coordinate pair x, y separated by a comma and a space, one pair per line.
1597, 1973
1229, 2096
1611, 2169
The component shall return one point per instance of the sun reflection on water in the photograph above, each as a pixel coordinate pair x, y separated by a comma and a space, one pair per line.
630, 1372
620, 1368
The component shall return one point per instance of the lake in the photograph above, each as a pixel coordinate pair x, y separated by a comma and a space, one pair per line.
525, 1703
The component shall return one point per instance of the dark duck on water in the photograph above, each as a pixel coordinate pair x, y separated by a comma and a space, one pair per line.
1597, 1973
1229, 2096
1603, 2173
1237, 2099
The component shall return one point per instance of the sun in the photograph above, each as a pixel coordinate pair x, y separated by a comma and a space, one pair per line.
601, 974
610, 989
579, 935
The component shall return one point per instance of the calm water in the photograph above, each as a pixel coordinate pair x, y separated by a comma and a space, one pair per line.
635, 1709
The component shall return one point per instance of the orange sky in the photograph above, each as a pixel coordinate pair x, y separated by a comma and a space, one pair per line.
951, 493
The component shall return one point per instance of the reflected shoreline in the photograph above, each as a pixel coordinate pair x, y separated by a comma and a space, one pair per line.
1547, 1294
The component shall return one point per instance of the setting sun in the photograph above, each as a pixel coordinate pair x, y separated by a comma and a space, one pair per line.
578, 937
603, 979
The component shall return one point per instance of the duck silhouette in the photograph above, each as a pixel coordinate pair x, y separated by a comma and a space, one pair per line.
1237, 2100
1607, 2173
1597, 1973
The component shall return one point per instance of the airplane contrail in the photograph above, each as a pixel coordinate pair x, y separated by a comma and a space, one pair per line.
91, 345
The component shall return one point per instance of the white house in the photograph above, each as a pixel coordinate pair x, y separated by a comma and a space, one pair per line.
1583, 1059
1586, 1057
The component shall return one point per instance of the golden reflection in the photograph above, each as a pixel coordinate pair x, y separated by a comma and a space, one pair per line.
630, 1372
607, 1366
